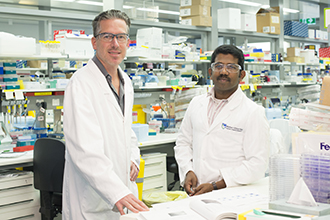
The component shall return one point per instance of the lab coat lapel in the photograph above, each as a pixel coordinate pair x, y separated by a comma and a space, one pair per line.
227, 109
203, 112
104, 86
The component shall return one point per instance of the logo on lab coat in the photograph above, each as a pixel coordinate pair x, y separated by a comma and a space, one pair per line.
227, 127
324, 146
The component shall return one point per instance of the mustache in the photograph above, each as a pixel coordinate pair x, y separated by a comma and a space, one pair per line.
222, 76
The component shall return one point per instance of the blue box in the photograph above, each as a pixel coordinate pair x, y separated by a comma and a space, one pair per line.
141, 131
9, 64
166, 122
294, 28
276, 57
9, 71
1, 70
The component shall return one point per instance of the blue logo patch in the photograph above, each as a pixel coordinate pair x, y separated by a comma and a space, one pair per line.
227, 127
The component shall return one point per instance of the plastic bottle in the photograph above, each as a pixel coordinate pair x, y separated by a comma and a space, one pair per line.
143, 74
151, 78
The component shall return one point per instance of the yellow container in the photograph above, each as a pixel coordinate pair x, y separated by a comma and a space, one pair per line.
139, 116
140, 178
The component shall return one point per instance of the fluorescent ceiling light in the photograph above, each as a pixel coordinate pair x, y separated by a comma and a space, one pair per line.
159, 11
242, 2
127, 6
91, 3
65, 0
287, 10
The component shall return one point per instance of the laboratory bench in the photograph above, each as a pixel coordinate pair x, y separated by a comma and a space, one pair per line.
19, 199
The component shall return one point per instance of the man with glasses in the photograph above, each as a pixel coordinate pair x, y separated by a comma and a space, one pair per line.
102, 155
224, 136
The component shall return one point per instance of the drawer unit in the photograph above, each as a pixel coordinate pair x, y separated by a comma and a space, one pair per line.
155, 172
18, 198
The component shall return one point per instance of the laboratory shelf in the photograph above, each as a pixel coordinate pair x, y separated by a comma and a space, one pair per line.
230, 32
33, 57
262, 63
305, 40
136, 59
30, 69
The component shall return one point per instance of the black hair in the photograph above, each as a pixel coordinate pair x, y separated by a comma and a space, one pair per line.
229, 49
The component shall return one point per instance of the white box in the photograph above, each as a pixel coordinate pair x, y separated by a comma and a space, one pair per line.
149, 37
325, 35
309, 56
311, 33
16, 46
318, 34
248, 22
229, 18
76, 46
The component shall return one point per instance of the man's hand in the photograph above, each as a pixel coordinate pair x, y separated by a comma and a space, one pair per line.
203, 188
190, 182
132, 203
134, 172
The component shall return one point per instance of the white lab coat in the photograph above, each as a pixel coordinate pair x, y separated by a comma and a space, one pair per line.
235, 147
100, 145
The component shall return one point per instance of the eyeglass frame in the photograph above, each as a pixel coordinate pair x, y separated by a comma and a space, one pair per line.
113, 36
225, 66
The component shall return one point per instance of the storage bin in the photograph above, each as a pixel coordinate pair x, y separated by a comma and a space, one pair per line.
40, 132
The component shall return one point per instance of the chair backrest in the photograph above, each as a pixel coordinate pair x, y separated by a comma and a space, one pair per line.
48, 164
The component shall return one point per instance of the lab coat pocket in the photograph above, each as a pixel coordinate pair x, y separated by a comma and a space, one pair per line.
227, 143
93, 203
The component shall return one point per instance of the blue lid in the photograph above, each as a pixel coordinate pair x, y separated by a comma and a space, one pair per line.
39, 129
307, 74
257, 50
299, 74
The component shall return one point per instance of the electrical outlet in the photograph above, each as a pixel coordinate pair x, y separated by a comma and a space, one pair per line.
172, 97
162, 96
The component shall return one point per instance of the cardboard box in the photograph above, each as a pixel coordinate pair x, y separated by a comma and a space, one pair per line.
197, 21
325, 91
309, 56
325, 35
229, 18
248, 22
195, 10
311, 33
37, 63
149, 37
295, 59
195, 2
76, 46
295, 28
324, 52
268, 21
318, 34
293, 52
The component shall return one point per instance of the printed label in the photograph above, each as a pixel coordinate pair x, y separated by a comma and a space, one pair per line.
186, 2
185, 12
186, 22
275, 19
324, 146
272, 29
265, 29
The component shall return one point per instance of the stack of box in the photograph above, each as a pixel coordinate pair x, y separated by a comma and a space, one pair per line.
293, 55
295, 28
229, 18
268, 21
196, 12
10, 77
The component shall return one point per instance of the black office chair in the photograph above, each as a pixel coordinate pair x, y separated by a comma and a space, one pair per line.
172, 167
48, 168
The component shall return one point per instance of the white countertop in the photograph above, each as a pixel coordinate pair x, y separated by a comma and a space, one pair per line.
161, 138
28, 157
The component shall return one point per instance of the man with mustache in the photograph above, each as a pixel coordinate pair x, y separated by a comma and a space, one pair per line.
224, 136
102, 154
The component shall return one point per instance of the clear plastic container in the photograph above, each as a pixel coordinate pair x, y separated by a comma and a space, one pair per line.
143, 74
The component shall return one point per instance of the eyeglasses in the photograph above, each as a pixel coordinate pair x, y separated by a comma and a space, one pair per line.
108, 37
230, 67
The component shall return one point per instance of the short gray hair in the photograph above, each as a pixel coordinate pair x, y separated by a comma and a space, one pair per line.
110, 14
